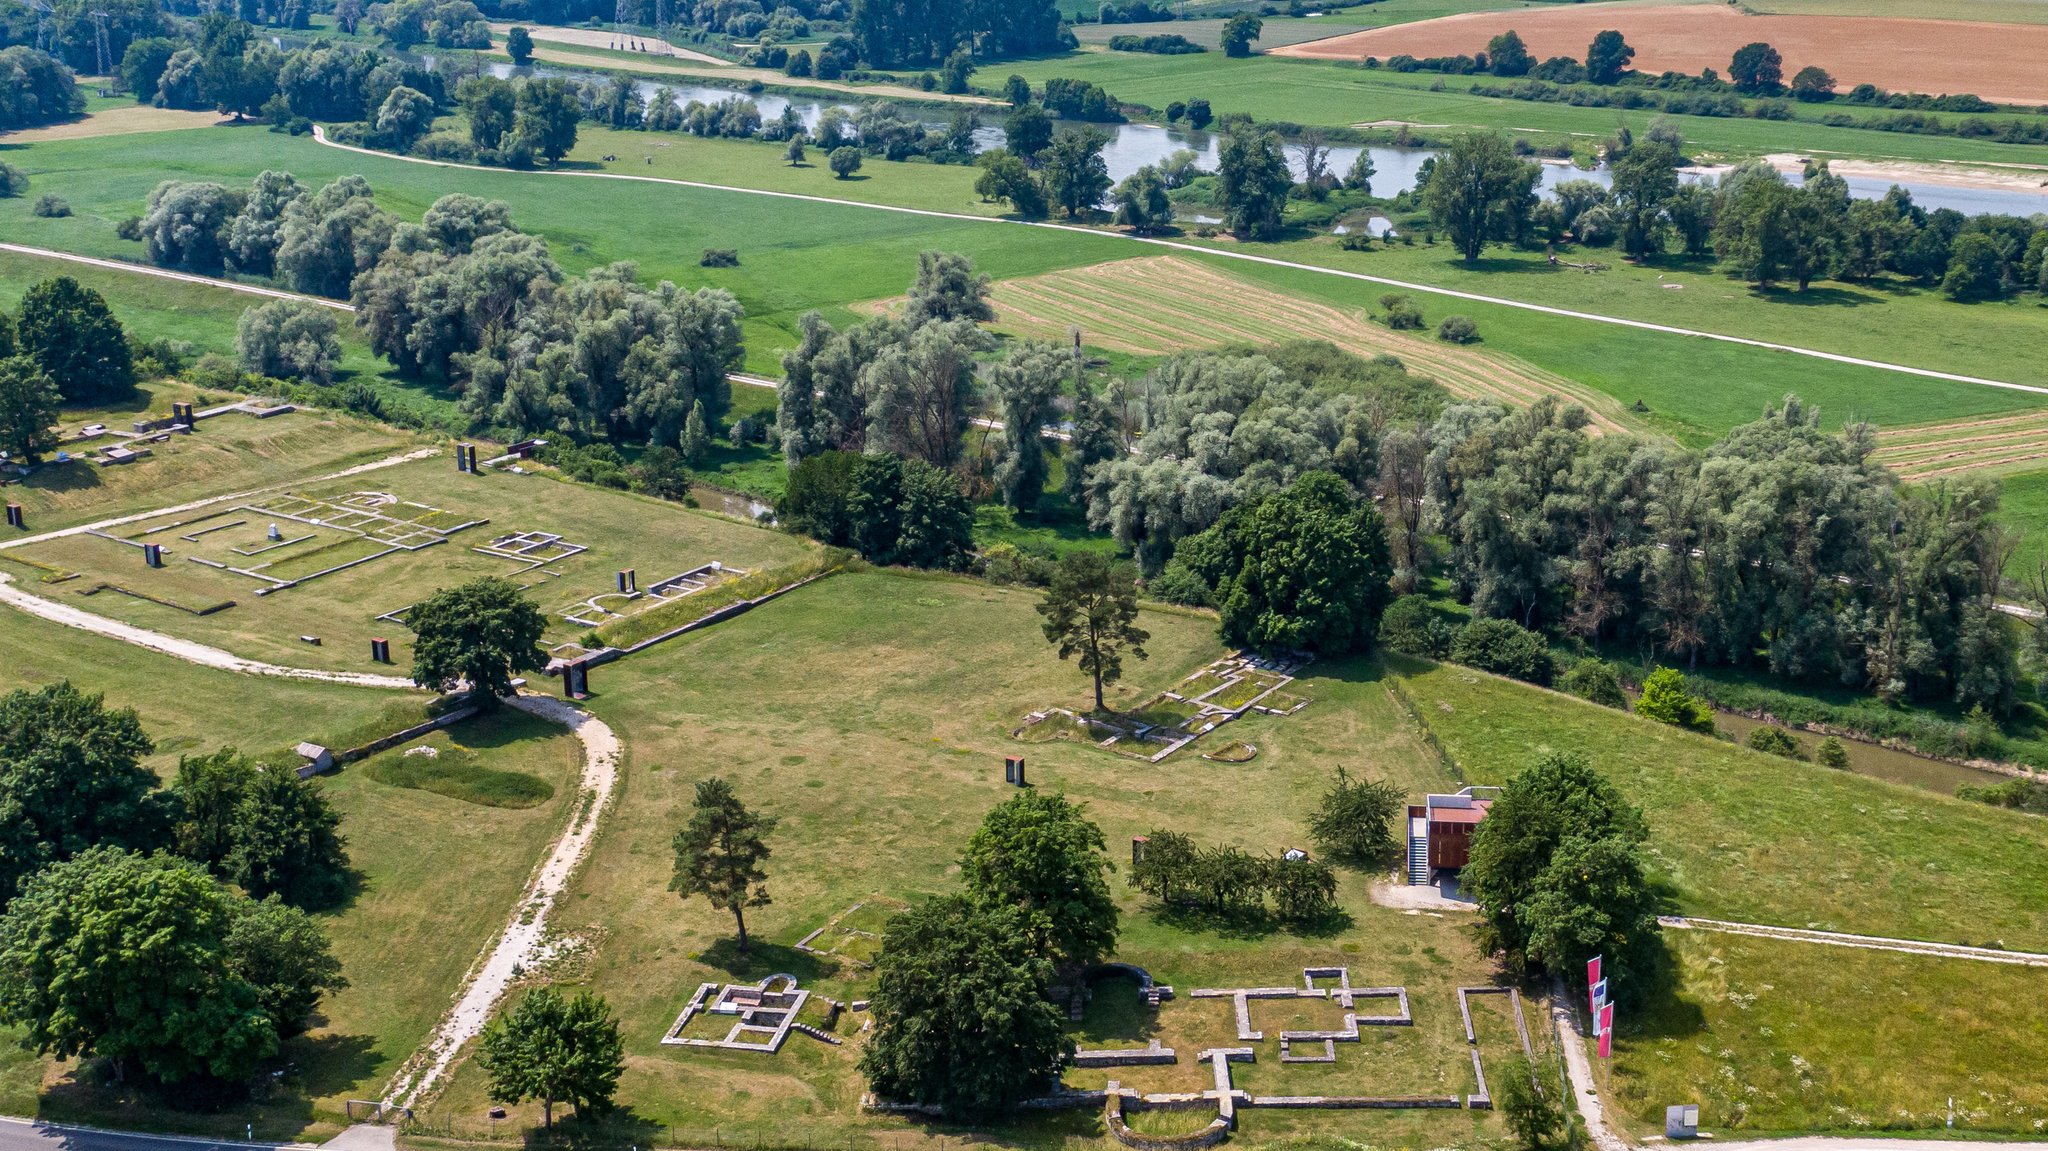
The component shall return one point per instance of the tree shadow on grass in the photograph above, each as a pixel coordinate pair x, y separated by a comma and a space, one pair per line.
1814, 297
609, 1129
761, 960
325, 1065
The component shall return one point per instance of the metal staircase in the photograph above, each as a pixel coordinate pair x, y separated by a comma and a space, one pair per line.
1418, 853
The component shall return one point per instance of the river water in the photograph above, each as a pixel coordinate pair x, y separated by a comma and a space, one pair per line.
1132, 146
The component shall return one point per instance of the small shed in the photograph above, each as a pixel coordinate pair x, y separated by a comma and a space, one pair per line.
317, 760
1440, 830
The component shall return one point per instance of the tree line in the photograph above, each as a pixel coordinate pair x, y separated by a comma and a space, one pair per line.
1758, 225
206, 884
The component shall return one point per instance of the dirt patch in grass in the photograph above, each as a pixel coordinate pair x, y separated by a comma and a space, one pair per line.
115, 122
1158, 305
1996, 61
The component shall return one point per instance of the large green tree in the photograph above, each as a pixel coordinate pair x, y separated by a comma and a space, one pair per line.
480, 635
720, 852
1252, 180
1305, 568
1076, 175
281, 952
1555, 869
547, 118
1607, 57
1091, 611
1645, 179
71, 332
1480, 192
288, 842
28, 409
964, 1018
71, 778
123, 957
555, 1050
1039, 852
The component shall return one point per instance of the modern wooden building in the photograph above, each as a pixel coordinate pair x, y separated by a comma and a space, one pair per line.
1440, 830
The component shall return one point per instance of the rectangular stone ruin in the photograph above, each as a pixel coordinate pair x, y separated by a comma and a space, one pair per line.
1150, 1055
1482, 1099
769, 1015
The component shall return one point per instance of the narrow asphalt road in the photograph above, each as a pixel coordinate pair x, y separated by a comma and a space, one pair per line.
36, 1135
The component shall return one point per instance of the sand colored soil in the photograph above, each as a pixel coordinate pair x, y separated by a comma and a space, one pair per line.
602, 38
119, 121
1991, 445
1158, 305
2000, 62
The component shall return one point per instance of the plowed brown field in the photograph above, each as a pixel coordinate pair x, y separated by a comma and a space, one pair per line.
1158, 305
2000, 62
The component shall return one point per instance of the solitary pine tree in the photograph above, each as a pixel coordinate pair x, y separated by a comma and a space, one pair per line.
481, 633
555, 1050
719, 855
696, 436
1091, 610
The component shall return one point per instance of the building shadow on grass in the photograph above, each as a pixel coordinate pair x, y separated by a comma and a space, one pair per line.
760, 960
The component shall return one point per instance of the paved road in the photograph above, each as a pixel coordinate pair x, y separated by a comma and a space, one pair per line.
35, 1135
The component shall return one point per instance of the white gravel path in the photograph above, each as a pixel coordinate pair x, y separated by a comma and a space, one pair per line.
184, 649
516, 946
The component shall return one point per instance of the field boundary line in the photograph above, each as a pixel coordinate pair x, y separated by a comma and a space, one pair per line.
320, 135
1867, 942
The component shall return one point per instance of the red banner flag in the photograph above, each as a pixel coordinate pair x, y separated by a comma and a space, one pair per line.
1607, 1044
1592, 972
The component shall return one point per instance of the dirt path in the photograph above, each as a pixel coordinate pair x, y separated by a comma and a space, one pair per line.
518, 945
184, 649
1253, 258
724, 70
1578, 1069
167, 274
1867, 942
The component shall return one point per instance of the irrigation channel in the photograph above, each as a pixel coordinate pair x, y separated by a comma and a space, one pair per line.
1132, 146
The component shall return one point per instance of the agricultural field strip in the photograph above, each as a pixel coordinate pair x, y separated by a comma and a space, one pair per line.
320, 135
1925, 450
1157, 301
1868, 942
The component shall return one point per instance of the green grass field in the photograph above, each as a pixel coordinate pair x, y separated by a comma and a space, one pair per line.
1772, 1037
1740, 835
655, 539
794, 256
1331, 93
205, 317
2025, 504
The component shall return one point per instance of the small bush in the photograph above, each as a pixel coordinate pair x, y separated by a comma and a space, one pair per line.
1008, 564
1457, 330
1175, 583
1411, 626
130, 228
1665, 700
1402, 314
1772, 740
1504, 647
1831, 753
719, 258
13, 181
52, 206
1595, 680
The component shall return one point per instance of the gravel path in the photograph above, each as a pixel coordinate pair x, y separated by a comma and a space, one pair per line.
1867, 942
517, 946
184, 649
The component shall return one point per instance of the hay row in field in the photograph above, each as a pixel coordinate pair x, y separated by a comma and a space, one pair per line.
1992, 444
1158, 305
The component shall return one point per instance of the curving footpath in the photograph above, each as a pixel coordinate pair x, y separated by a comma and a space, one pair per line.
320, 134
519, 945
1867, 942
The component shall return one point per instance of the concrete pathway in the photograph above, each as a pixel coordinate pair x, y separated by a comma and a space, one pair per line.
320, 135
365, 1137
1578, 1069
518, 945
1868, 942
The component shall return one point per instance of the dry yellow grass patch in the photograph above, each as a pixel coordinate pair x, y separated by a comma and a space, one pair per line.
121, 121
1158, 305
1989, 444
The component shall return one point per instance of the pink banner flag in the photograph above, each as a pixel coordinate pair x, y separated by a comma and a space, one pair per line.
1592, 971
1607, 1045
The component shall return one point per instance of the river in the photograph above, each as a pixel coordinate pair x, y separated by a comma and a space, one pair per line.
1132, 146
